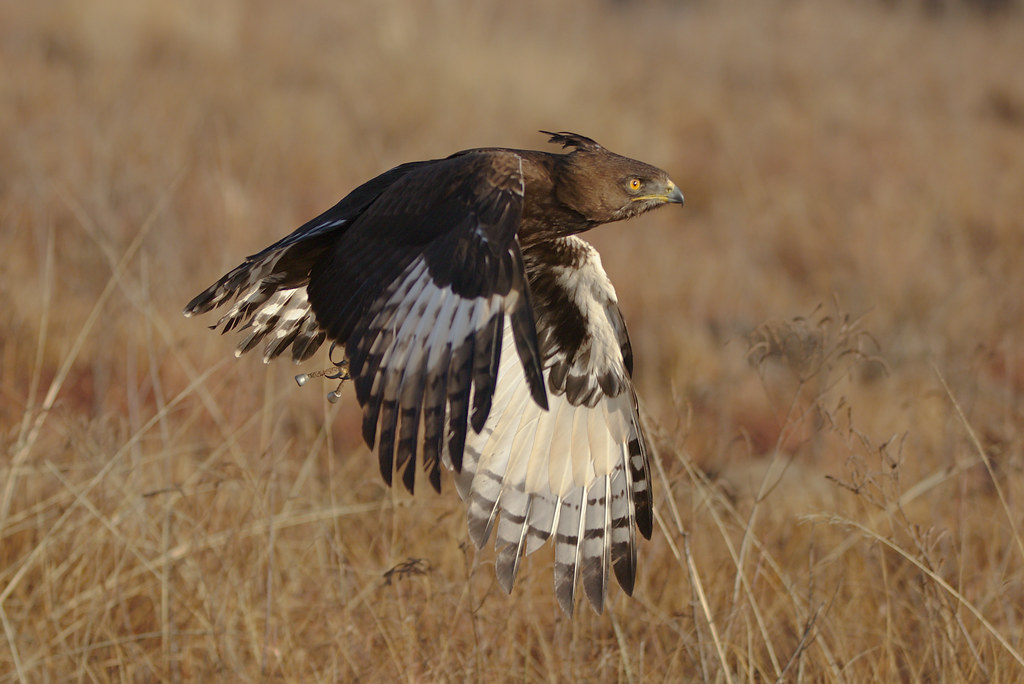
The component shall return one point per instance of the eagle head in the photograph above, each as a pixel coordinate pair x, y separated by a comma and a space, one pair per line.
603, 186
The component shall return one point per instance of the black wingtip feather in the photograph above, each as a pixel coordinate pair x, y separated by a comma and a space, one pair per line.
200, 303
460, 376
434, 411
624, 565
524, 333
485, 372
371, 410
386, 443
405, 452
639, 464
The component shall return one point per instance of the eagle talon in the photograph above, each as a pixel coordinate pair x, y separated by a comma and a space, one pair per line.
341, 367
340, 373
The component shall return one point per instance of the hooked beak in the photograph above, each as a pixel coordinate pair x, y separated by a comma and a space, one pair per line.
674, 194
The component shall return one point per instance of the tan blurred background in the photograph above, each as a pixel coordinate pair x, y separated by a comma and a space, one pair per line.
829, 339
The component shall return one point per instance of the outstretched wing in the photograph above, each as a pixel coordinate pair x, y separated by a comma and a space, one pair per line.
418, 291
270, 286
579, 471
414, 273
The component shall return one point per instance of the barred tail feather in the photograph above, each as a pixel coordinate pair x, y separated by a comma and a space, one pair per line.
569, 472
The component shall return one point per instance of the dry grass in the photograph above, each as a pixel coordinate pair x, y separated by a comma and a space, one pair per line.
829, 338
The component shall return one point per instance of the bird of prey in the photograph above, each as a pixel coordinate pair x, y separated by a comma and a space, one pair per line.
480, 333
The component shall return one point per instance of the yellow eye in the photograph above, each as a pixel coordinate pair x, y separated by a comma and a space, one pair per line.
634, 184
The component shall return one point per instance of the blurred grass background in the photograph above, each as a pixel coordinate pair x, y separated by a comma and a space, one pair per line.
829, 340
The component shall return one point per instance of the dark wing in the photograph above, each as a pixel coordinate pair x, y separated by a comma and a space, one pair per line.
270, 286
418, 291
581, 469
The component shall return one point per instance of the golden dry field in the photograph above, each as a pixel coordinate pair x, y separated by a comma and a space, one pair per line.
829, 341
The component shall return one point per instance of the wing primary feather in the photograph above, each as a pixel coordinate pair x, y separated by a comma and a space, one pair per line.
386, 444
381, 346
524, 332
389, 376
485, 371
494, 466
405, 454
374, 335
371, 410
460, 377
409, 369
409, 472
309, 341
370, 390
623, 537
593, 549
434, 411
506, 564
435, 382
567, 539
640, 467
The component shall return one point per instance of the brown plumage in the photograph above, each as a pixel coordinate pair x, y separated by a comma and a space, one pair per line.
482, 334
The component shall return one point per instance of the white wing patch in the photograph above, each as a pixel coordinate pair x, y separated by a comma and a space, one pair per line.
581, 332
566, 471
425, 347
592, 292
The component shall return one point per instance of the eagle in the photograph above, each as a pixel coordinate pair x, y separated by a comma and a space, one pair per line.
480, 333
